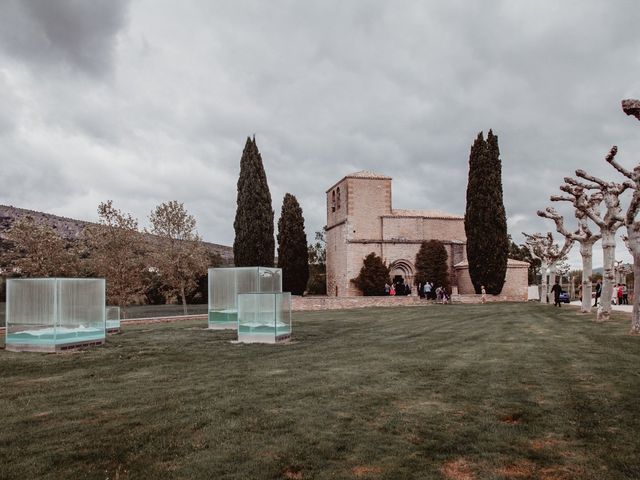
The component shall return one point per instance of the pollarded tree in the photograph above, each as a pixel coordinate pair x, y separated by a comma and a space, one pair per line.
485, 218
117, 251
632, 240
431, 264
179, 256
583, 235
373, 276
608, 223
542, 248
293, 254
254, 244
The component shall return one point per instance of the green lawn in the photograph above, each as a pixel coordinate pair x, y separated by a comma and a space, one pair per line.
460, 392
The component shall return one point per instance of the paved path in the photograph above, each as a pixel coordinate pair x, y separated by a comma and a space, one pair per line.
620, 308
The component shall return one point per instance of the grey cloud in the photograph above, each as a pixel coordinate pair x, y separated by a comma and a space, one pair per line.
328, 88
58, 33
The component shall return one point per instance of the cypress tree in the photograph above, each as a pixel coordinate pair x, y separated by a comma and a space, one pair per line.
431, 264
293, 254
254, 244
485, 219
373, 275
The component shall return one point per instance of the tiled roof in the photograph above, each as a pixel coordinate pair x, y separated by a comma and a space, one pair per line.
368, 174
424, 214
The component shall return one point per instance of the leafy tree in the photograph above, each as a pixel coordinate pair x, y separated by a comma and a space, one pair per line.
293, 256
431, 264
36, 250
485, 219
180, 255
201, 294
373, 276
318, 266
254, 244
116, 251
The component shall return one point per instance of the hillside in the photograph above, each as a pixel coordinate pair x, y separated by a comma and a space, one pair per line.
71, 229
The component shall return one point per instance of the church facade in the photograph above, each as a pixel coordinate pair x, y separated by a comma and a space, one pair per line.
361, 219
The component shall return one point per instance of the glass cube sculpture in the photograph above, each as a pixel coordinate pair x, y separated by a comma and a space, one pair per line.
226, 283
264, 317
113, 319
53, 314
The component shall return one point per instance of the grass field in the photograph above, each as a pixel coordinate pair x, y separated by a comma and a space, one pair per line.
498, 391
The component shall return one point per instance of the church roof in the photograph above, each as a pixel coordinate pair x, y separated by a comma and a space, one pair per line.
424, 214
368, 174
510, 263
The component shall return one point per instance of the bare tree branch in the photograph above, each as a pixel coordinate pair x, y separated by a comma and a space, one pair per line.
577, 183
631, 107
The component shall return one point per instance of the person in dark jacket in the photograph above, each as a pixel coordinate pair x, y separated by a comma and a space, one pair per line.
556, 290
598, 292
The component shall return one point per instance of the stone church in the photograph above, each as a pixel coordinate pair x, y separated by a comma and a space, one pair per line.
361, 220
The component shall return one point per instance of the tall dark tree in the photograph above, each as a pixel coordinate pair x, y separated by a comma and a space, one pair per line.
254, 244
293, 254
431, 264
485, 220
373, 275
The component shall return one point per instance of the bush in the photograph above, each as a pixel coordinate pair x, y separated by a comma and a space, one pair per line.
373, 276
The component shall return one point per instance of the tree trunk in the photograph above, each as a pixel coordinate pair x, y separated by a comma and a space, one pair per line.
586, 251
184, 299
635, 316
608, 259
633, 233
544, 293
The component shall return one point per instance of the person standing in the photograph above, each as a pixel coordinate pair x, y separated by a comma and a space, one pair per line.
625, 294
392, 290
620, 294
598, 292
427, 290
483, 291
556, 290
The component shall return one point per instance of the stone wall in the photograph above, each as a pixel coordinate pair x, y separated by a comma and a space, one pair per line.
516, 282
346, 303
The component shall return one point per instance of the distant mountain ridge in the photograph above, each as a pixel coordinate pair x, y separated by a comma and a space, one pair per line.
71, 229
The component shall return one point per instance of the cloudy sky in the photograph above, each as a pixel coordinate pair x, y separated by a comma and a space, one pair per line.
145, 101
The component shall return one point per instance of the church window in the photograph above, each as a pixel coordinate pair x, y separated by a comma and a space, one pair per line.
333, 201
338, 198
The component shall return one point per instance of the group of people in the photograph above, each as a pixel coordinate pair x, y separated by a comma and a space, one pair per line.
619, 294
397, 288
439, 294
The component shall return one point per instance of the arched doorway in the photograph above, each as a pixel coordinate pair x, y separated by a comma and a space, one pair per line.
402, 271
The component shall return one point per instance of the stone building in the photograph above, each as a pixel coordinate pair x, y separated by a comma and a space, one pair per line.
361, 220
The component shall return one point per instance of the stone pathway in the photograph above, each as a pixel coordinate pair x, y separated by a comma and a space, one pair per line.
620, 308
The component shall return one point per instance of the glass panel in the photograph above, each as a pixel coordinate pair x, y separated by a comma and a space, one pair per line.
31, 311
225, 284
283, 314
81, 309
263, 317
113, 318
270, 280
52, 311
